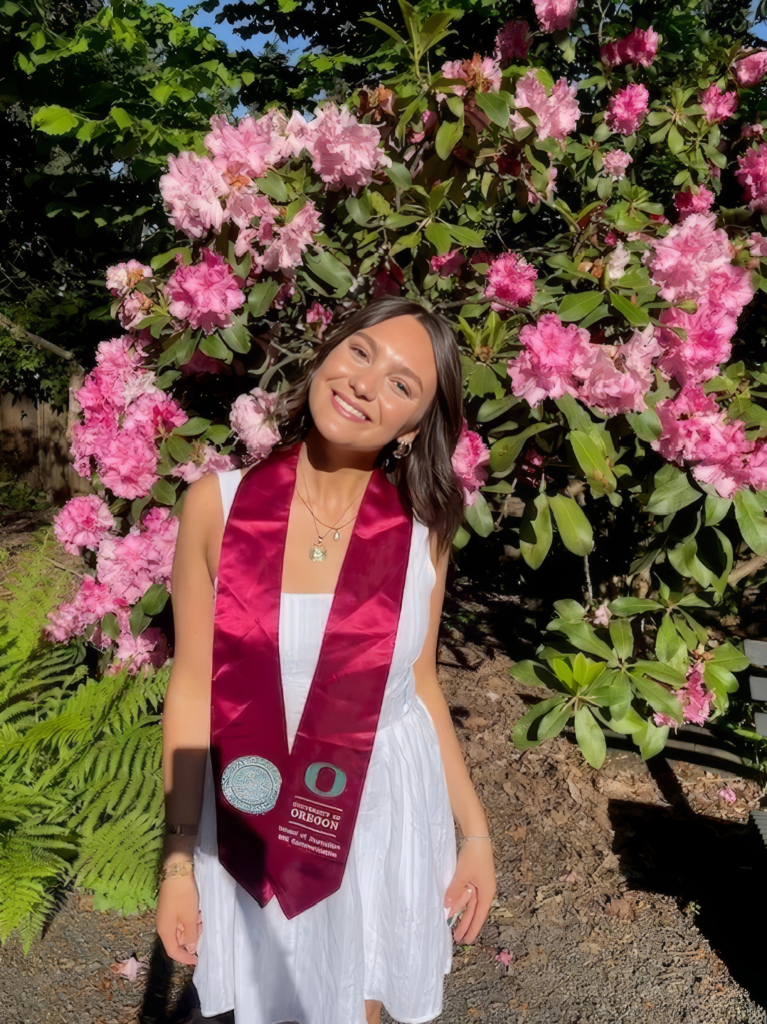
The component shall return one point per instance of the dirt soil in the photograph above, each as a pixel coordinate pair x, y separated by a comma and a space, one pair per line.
603, 881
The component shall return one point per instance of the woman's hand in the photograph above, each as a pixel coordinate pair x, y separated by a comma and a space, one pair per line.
472, 888
178, 918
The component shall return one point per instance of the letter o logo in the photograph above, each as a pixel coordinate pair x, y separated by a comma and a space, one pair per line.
312, 776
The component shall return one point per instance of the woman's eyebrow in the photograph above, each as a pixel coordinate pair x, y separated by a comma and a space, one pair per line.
400, 368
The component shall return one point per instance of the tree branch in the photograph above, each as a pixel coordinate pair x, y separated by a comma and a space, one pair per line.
23, 335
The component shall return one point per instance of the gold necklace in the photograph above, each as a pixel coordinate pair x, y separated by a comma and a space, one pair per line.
318, 552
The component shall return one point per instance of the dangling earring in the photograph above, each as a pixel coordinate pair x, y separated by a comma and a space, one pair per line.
404, 449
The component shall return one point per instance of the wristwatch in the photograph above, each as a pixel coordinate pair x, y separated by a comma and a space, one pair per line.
180, 830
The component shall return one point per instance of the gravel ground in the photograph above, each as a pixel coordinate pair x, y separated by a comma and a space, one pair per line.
603, 879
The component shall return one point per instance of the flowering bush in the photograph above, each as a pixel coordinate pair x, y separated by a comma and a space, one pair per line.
589, 210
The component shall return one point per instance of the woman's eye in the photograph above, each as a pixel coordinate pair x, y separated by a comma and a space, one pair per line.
403, 387
361, 351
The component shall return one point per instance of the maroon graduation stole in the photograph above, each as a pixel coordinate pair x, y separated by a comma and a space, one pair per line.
285, 819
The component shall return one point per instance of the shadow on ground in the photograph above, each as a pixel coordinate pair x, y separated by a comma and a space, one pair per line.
710, 866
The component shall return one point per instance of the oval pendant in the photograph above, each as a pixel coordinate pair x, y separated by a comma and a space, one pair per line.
336, 535
318, 553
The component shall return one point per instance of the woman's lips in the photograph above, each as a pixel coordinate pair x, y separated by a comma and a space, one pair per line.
348, 410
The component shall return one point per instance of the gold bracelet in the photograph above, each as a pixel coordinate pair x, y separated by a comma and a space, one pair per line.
464, 838
179, 867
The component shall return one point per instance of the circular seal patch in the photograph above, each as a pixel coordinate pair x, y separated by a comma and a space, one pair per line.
251, 784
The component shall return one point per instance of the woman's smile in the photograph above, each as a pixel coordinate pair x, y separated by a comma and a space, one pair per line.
347, 408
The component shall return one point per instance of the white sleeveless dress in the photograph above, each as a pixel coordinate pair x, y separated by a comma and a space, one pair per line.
383, 934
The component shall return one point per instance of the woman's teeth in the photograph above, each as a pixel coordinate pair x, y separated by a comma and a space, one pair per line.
350, 408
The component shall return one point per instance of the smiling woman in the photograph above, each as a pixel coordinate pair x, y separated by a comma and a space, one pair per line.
306, 738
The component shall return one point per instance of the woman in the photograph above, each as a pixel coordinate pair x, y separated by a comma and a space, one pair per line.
321, 763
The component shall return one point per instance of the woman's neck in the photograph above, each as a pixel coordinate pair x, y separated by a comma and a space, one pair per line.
335, 476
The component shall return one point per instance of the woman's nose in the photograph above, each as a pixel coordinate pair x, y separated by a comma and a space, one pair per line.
363, 383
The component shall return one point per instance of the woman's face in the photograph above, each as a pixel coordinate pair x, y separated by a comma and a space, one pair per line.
375, 385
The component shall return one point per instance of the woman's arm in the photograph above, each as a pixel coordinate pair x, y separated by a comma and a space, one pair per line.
473, 886
186, 709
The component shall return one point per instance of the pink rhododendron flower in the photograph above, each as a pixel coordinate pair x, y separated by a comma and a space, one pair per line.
685, 259
602, 615
557, 114
129, 565
317, 314
529, 466
205, 294
749, 131
291, 241
128, 465
696, 430
750, 70
82, 523
617, 262
752, 175
626, 109
615, 378
615, 163
545, 368
555, 15
133, 309
504, 957
448, 265
249, 148
688, 202
513, 41
123, 277
192, 190
510, 282
482, 74
286, 292
718, 105
758, 244
252, 419
205, 460
728, 795
470, 455
695, 701
428, 121
533, 196
344, 152
154, 415
640, 46
132, 653
92, 601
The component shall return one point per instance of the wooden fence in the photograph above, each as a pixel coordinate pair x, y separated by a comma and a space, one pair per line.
34, 443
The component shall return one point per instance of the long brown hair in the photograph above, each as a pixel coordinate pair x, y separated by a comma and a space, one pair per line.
425, 478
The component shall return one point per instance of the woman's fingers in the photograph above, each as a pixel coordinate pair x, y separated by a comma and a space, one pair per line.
470, 904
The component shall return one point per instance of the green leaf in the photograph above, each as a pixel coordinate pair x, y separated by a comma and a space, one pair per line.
574, 528
330, 270
214, 347
139, 620
633, 606
576, 307
479, 516
159, 261
532, 673
636, 315
622, 637
590, 737
651, 739
591, 452
439, 236
728, 657
155, 599
535, 532
481, 381
192, 427
273, 186
261, 296
383, 27
658, 697
670, 648
554, 721
400, 175
466, 236
577, 417
449, 135
646, 425
492, 408
163, 492
584, 637
55, 120
495, 106
673, 491
504, 453
237, 337
751, 520
121, 117
520, 734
